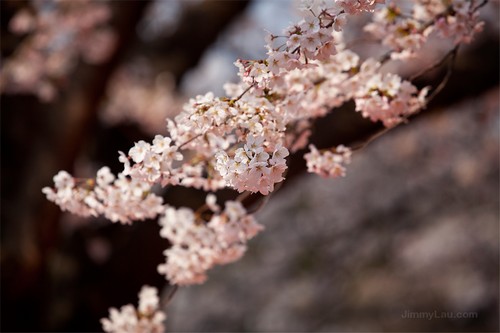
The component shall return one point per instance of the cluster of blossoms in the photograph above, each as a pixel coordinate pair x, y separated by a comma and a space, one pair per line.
252, 168
147, 318
200, 242
405, 26
403, 34
152, 162
385, 96
330, 163
304, 81
461, 22
210, 124
59, 32
310, 39
207, 129
311, 92
119, 199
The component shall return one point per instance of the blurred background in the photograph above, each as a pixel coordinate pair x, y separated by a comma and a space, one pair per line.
413, 228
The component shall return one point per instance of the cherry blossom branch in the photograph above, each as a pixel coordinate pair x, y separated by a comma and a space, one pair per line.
244, 142
450, 55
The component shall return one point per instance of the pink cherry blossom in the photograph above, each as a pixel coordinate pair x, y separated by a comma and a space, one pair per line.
328, 164
147, 318
198, 245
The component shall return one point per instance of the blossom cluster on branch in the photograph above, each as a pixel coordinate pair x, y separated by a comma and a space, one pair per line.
405, 33
328, 164
119, 199
147, 318
200, 241
242, 141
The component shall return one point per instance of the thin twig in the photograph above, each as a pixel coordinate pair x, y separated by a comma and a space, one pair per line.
371, 139
190, 140
385, 57
480, 5
243, 93
451, 53
171, 294
445, 80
